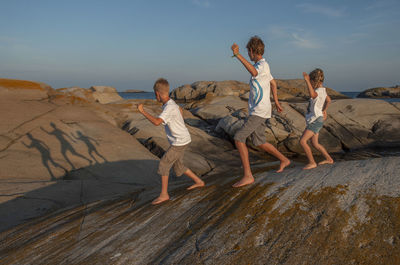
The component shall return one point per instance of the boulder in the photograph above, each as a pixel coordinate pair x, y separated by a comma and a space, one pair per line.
214, 108
25, 90
198, 90
296, 89
358, 123
288, 90
54, 154
105, 94
381, 92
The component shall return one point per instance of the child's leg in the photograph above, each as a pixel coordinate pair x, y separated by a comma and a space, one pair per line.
197, 181
258, 139
164, 191
244, 156
180, 169
164, 167
241, 135
269, 148
319, 147
303, 142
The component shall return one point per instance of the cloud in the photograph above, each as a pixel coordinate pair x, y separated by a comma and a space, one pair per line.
304, 43
297, 37
202, 3
322, 10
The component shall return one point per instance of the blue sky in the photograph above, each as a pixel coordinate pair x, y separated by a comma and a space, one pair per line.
129, 44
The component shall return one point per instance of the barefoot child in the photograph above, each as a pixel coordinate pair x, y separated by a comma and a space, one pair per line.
316, 114
260, 108
178, 136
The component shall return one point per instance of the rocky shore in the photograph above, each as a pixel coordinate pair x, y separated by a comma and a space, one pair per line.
78, 170
381, 92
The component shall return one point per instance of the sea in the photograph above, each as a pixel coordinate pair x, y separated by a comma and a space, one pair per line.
150, 95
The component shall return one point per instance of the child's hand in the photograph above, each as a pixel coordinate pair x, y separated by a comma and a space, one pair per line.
279, 107
235, 49
306, 76
140, 108
325, 115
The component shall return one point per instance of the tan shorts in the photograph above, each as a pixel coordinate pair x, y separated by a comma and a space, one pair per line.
253, 127
173, 157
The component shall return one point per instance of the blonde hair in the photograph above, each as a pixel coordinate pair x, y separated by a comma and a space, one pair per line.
256, 45
161, 86
317, 76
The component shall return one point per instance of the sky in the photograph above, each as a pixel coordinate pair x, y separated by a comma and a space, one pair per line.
129, 44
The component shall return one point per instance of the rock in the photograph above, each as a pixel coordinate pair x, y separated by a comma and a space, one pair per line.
215, 108
55, 155
296, 89
105, 94
198, 90
381, 92
280, 219
134, 91
29, 90
289, 90
358, 123
77, 92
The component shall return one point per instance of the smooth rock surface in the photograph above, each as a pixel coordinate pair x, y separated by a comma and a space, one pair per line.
54, 154
346, 213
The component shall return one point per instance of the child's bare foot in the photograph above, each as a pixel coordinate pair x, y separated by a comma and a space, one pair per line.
196, 185
160, 199
310, 166
327, 161
283, 165
243, 182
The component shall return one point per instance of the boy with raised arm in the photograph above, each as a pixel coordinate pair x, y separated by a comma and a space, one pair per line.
178, 136
260, 108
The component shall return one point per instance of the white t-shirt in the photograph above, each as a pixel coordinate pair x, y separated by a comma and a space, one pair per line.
315, 105
175, 128
259, 97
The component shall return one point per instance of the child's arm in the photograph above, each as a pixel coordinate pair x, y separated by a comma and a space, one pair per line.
313, 94
275, 95
252, 70
156, 121
326, 105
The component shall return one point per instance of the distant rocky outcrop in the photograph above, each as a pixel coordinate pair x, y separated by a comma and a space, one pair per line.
101, 94
133, 91
289, 90
381, 92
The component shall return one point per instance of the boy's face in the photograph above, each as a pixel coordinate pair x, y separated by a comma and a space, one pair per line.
251, 55
157, 96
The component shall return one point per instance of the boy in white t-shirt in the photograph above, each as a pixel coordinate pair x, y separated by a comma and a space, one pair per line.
315, 116
260, 108
178, 136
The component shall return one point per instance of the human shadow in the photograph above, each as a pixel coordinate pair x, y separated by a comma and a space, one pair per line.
44, 150
90, 146
65, 145
97, 182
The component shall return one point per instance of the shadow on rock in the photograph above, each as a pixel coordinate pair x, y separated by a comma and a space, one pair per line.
80, 187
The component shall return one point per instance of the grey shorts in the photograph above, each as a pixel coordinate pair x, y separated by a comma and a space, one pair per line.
253, 127
172, 158
316, 125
